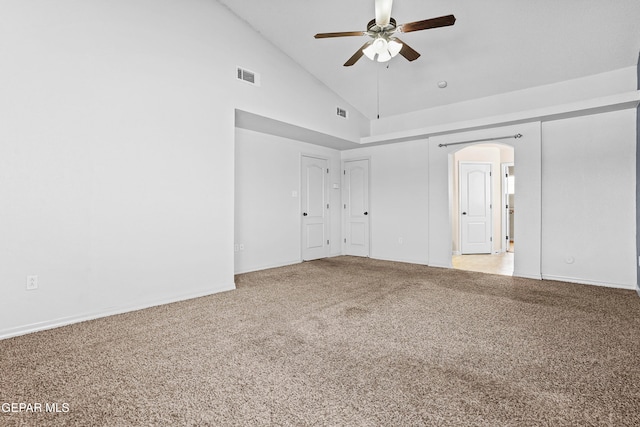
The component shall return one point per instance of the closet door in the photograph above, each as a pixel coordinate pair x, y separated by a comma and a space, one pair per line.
356, 206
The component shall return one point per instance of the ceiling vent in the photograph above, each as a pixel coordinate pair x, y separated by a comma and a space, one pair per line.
248, 76
341, 112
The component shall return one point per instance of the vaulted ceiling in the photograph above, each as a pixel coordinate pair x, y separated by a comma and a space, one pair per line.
495, 46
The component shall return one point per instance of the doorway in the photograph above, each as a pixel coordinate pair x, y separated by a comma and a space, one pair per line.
478, 197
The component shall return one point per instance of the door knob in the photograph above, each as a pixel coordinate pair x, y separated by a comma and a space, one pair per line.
464, 213
304, 214
366, 213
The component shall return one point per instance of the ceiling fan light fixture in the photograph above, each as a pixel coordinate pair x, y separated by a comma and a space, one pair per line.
381, 46
384, 56
382, 50
370, 52
394, 47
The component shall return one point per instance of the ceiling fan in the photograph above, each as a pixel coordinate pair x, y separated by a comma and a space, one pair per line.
384, 45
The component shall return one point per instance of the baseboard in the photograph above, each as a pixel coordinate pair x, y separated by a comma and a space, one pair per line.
587, 282
280, 264
419, 262
56, 323
268, 266
527, 276
449, 266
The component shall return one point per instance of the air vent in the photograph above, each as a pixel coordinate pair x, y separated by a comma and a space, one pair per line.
341, 112
248, 76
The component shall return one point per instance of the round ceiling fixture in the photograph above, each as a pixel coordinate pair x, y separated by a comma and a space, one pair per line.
442, 84
382, 49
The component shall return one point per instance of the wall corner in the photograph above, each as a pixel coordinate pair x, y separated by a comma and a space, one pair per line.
637, 181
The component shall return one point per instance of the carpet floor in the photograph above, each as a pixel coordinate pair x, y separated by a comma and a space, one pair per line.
343, 342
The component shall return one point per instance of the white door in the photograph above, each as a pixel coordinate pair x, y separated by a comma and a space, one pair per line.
315, 208
356, 207
475, 208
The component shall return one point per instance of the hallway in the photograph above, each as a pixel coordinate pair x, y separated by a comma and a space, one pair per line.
494, 264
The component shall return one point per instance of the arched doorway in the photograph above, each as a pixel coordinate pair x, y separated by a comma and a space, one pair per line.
480, 206
528, 216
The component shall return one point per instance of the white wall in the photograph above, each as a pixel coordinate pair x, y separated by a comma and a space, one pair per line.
117, 150
588, 199
267, 215
588, 164
637, 180
575, 198
398, 200
585, 88
112, 159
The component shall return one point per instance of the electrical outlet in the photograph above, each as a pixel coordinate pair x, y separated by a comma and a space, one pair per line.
32, 283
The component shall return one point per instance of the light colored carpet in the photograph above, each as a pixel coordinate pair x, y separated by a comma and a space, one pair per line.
346, 342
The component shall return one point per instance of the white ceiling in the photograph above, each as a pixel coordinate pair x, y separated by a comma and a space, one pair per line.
495, 46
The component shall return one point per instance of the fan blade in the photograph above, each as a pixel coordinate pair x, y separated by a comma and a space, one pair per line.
442, 21
407, 51
342, 34
359, 54
383, 12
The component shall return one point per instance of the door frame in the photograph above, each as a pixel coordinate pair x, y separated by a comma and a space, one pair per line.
343, 200
327, 194
504, 167
460, 163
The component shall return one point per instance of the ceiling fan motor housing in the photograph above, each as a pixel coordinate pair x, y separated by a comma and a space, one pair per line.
372, 27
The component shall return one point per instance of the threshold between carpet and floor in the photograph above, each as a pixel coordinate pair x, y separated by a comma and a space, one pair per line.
342, 341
